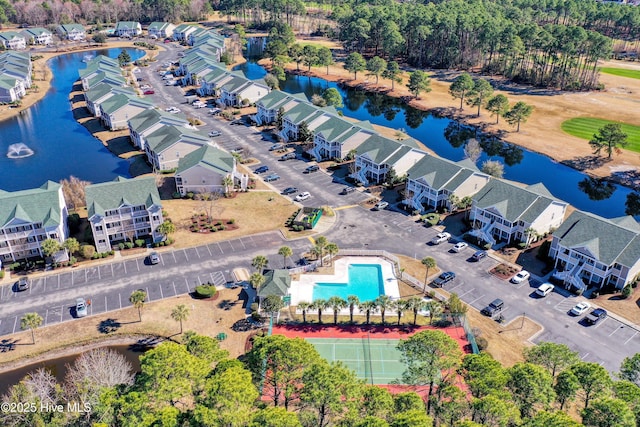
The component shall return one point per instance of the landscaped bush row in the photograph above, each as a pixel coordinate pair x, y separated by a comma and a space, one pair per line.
167, 242
289, 220
206, 290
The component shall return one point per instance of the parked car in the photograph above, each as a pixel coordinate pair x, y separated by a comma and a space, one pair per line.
520, 277
441, 238
272, 177
460, 246
140, 79
288, 156
149, 92
444, 278
23, 284
215, 133
81, 307
276, 147
154, 258
172, 110
380, 205
479, 255
545, 289
302, 196
144, 87
167, 40
237, 122
214, 111
199, 104
290, 190
312, 168
596, 316
580, 308
494, 307
261, 169
347, 190
167, 76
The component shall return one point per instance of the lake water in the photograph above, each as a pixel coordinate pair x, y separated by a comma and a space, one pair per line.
61, 146
446, 137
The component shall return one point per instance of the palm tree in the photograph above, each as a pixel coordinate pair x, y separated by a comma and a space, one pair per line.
320, 246
415, 304
180, 313
317, 252
320, 305
31, 321
352, 301
400, 305
137, 299
304, 306
256, 280
336, 304
429, 263
368, 307
259, 262
227, 181
435, 309
285, 252
384, 302
331, 249
530, 232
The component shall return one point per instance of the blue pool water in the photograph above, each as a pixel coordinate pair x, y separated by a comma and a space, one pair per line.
365, 282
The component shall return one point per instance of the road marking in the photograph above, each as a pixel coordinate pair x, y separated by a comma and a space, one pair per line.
479, 298
209, 249
99, 276
312, 240
173, 254
120, 299
15, 323
161, 293
46, 314
232, 248
137, 265
185, 254
175, 292
148, 296
220, 247
243, 246
112, 273
339, 208
187, 285
105, 305
124, 264
585, 356
85, 275
615, 330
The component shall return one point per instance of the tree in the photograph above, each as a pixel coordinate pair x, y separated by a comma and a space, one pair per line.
408, 401
472, 150
419, 82
632, 204
124, 58
630, 393
434, 308
275, 417
227, 182
352, 301
630, 369
449, 405
336, 303
272, 81
482, 90
610, 137
551, 419
392, 73
137, 299
355, 63
332, 97
204, 347
72, 245
461, 87
377, 402
483, 374
321, 245
303, 306
332, 249
553, 356
519, 113
608, 412
73, 191
285, 252
180, 313
429, 355
492, 410
305, 135
399, 305
594, 380
368, 307
310, 55
456, 306
565, 387
272, 304
498, 106
376, 66
295, 53
167, 227
384, 303
99, 38
50, 247
256, 280
494, 168
530, 385
415, 304
31, 321
260, 262
320, 305
286, 360
429, 263
324, 57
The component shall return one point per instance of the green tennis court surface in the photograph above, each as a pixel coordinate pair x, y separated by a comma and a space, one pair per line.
377, 361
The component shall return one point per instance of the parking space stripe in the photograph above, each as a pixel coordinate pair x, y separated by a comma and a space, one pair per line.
161, 293
148, 296
137, 265
232, 248
105, 305
220, 247
46, 315
15, 323
477, 299
124, 264
585, 356
632, 337
173, 254
615, 330
209, 249
174, 288
120, 299
242, 243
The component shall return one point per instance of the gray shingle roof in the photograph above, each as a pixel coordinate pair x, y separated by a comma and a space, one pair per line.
121, 191
34, 205
166, 136
143, 121
439, 173
381, 150
209, 157
610, 241
277, 282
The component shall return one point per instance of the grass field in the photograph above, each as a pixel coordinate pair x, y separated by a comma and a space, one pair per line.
622, 72
586, 127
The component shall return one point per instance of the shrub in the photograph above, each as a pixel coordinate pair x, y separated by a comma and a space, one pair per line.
543, 250
231, 221
522, 245
73, 260
190, 195
626, 291
431, 219
415, 212
176, 195
256, 316
1, 274
205, 291
487, 246
482, 342
169, 241
88, 251
139, 243
129, 245
73, 221
254, 307
221, 228
121, 246
95, 256
111, 252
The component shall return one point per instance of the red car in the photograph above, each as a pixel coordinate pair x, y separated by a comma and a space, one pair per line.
167, 40
149, 92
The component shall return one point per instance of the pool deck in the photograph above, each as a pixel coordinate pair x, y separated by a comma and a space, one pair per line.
302, 290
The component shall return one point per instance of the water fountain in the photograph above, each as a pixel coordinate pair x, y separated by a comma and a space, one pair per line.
19, 151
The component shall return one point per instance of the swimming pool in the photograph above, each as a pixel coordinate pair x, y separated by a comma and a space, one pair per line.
364, 281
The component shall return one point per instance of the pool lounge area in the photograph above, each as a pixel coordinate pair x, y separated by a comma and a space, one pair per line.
365, 277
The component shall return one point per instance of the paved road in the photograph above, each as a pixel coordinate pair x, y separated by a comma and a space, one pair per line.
109, 286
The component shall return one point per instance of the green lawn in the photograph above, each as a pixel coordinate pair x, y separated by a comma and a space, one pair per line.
622, 72
586, 127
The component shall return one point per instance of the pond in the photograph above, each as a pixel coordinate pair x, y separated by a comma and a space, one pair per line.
59, 366
61, 146
446, 138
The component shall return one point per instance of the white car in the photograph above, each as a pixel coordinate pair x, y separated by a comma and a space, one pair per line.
173, 110
380, 205
81, 307
302, 196
440, 238
199, 105
520, 277
460, 246
145, 87
545, 289
215, 133
580, 308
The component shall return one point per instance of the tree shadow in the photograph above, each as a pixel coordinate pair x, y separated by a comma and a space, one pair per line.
585, 162
7, 345
145, 344
108, 326
226, 304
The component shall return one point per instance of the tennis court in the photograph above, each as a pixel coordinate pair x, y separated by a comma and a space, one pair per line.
377, 361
